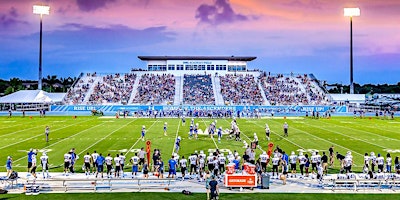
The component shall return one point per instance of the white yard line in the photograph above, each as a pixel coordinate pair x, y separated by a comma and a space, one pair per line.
105, 137
138, 140
212, 138
63, 140
323, 139
176, 136
42, 135
366, 131
349, 136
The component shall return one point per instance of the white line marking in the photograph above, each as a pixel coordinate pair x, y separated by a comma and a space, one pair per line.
365, 131
105, 137
63, 140
176, 136
42, 134
212, 138
325, 140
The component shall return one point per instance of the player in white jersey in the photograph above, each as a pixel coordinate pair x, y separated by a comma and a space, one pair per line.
202, 154
202, 165
267, 131
193, 163
44, 161
122, 157
135, 164
314, 161
380, 161
94, 163
34, 164
293, 161
255, 140
222, 162
348, 162
67, 162
117, 161
366, 163
275, 164
183, 164
388, 163
373, 161
264, 160
302, 161
230, 157
196, 130
210, 162
108, 161
86, 162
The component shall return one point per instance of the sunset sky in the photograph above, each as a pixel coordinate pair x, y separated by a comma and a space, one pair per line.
300, 36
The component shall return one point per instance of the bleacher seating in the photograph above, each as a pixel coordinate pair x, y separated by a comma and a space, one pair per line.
240, 90
198, 90
155, 89
113, 89
292, 90
76, 95
232, 89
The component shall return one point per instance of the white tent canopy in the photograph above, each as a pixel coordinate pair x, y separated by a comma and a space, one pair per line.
32, 96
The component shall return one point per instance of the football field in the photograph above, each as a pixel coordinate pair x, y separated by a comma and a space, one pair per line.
111, 135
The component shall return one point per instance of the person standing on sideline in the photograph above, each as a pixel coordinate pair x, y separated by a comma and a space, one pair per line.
214, 188
331, 156
46, 132
30, 153
324, 160
9, 165
285, 129
100, 164
388, 163
172, 167
86, 162
44, 160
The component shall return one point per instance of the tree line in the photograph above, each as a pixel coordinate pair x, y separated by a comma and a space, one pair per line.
51, 83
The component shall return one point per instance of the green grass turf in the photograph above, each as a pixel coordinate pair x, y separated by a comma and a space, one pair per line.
145, 195
110, 135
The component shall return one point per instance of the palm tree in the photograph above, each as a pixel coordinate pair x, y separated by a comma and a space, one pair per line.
15, 84
51, 80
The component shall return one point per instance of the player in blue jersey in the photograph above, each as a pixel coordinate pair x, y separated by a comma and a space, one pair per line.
143, 132
177, 144
165, 128
191, 128
219, 134
196, 130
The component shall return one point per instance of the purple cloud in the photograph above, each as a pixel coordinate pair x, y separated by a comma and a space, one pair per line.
219, 13
10, 19
92, 5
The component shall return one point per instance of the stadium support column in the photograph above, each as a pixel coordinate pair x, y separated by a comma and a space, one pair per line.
41, 10
350, 12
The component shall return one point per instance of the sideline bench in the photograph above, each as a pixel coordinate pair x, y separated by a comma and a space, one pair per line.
101, 184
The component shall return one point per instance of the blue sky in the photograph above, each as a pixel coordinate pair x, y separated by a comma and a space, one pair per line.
300, 36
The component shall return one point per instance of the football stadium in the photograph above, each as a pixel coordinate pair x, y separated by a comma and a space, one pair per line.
197, 127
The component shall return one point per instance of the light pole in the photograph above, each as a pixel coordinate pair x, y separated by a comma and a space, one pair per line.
350, 12
40, 10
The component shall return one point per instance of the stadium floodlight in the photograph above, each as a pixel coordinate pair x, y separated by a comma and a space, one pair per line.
40, 10
351, 12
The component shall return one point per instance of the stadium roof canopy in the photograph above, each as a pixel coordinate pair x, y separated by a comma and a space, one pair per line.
229, 58
32, 96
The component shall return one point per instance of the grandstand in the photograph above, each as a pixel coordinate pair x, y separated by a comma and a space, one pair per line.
196, 80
